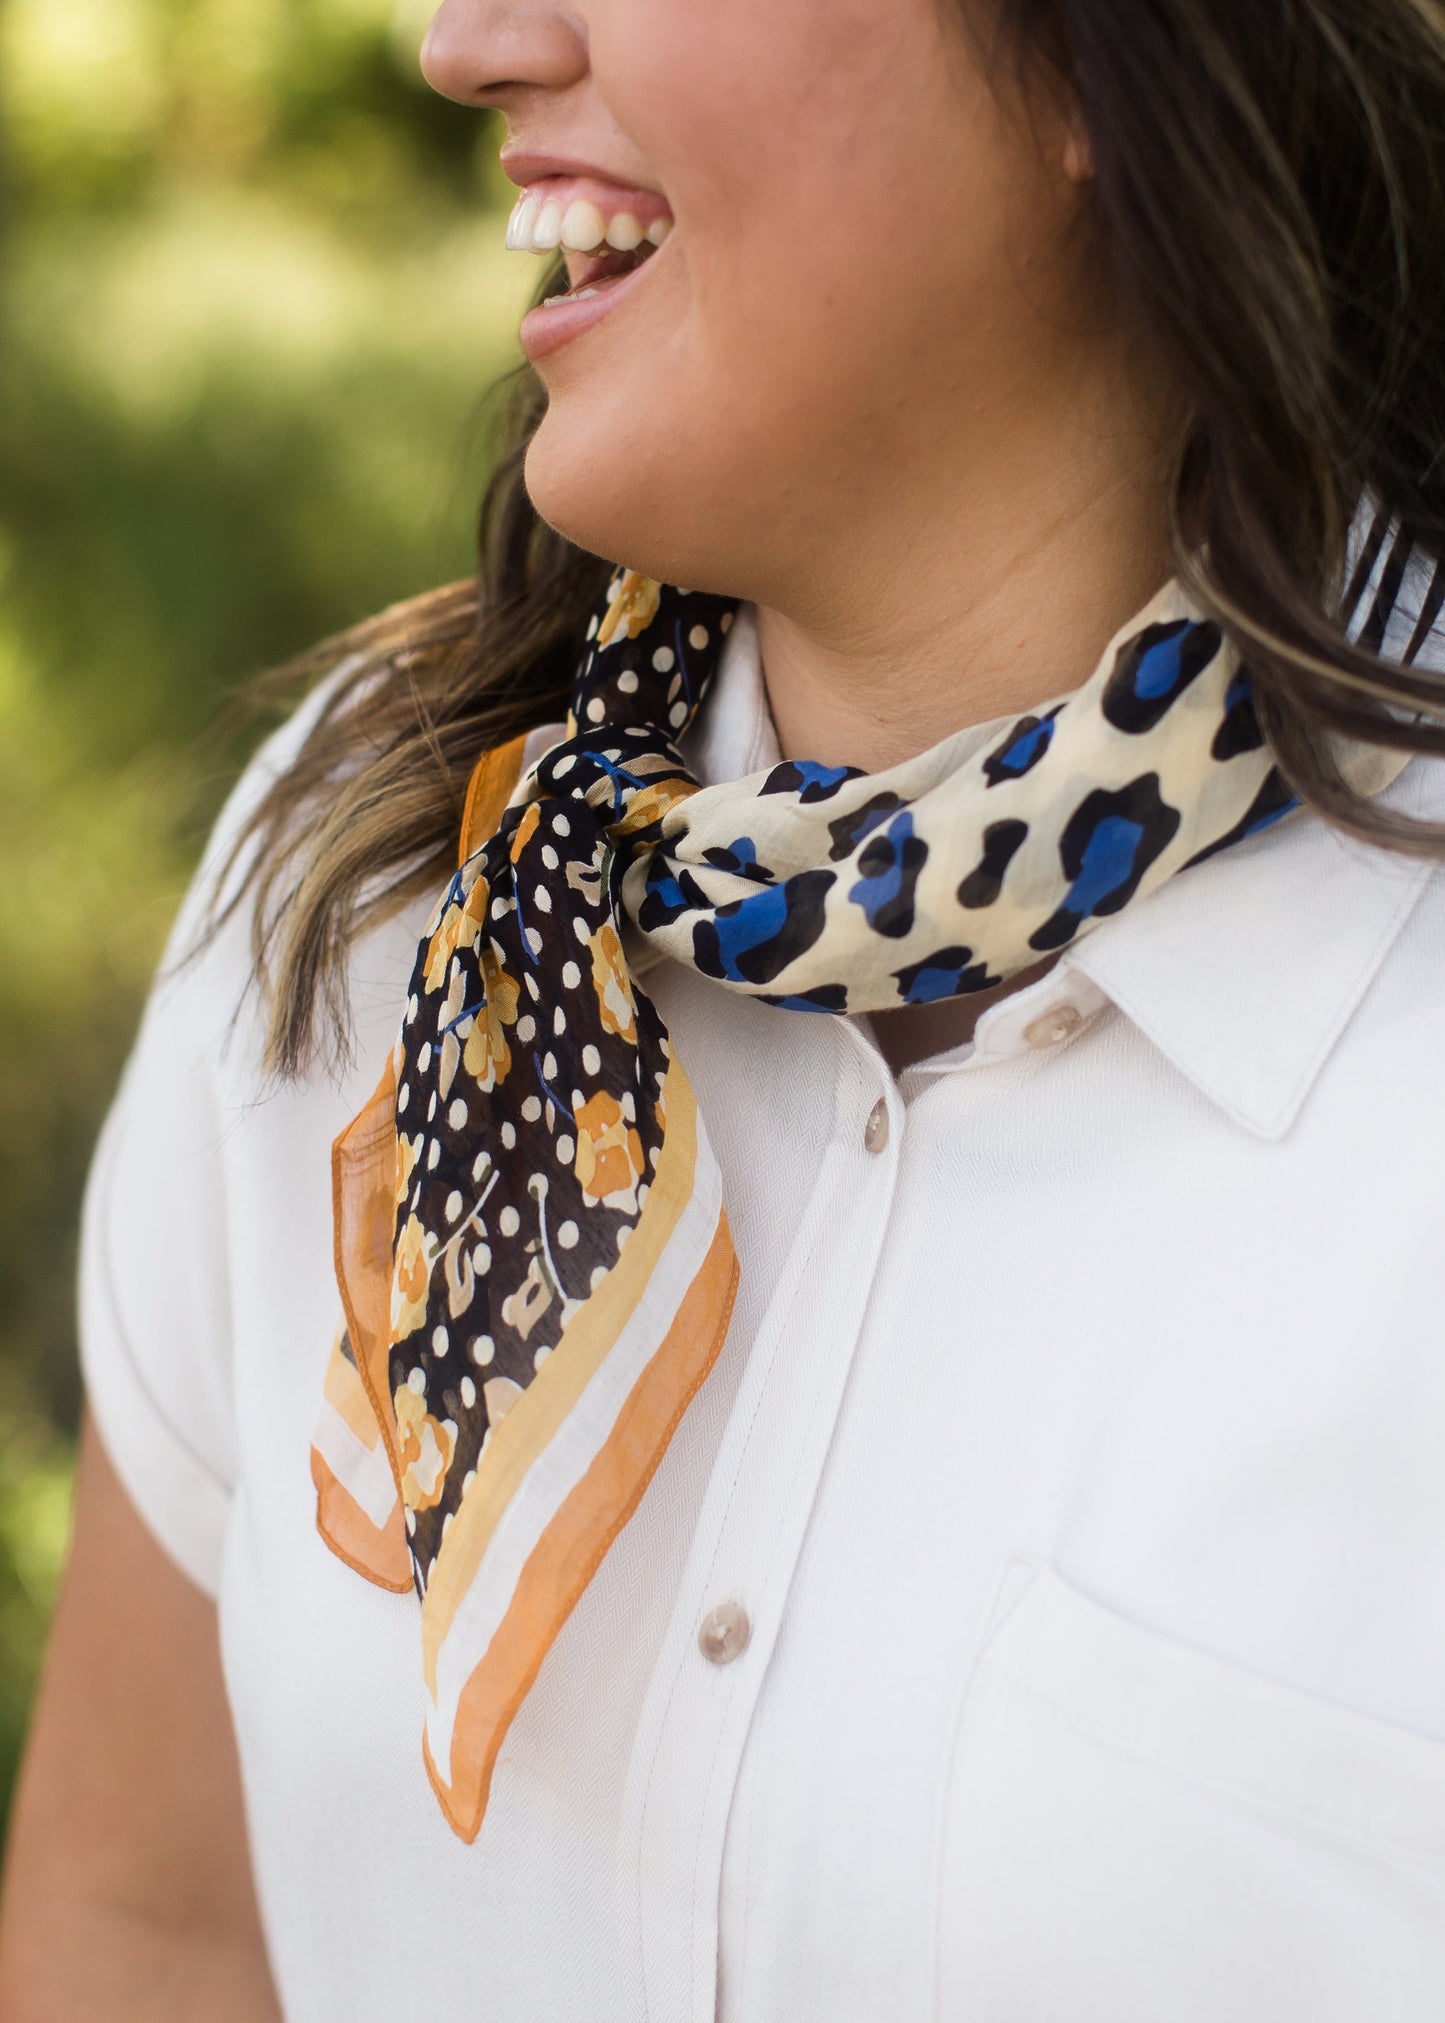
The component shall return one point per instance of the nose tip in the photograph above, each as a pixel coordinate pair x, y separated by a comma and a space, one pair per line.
478, 51
445, 51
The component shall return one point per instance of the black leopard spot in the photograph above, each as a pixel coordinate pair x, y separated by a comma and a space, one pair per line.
1108, 844
1153, 671
983, 884
848, 831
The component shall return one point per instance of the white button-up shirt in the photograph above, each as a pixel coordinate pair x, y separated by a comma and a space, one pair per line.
1039, 1615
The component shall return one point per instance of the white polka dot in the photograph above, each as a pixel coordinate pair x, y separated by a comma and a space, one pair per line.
559, 1023
483, 1350
726, 622
596, 710
563, 767
423, 1059
469, 1392
677, 715
479, 1165
627, 681
509, 1222
591, 1060
412, 1008
561, 826
629, 1106
664, 659
439, 1341
529, 979
403, 1097
532, 1109
433, 1156
697, 638
567, 1236
549, 1067
526, 1029
571, 976
550, 857
577, 1099
534, 942
580, 928
482, 1259
593, 626
457, 1115
541, 1356
454, 1205
542, 899
416, 1381
565, 1149
431, 1108
501, 908
509, 1135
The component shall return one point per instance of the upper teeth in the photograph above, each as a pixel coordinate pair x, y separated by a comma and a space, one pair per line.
536, 227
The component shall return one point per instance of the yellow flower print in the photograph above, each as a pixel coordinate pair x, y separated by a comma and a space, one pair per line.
410, 1276
526, 830
610, 981
651, 804
632, 610
488, 1055
523, 1308
459, 927
408, 1151
425, 1447
609, 1152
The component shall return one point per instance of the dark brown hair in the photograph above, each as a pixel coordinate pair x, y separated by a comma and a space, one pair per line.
1270, 193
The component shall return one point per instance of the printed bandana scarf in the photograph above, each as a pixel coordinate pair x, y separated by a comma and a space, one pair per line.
534, 1257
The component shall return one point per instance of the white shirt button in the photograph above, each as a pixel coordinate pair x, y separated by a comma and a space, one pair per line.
875, 1131
1055, 1025
725, 1633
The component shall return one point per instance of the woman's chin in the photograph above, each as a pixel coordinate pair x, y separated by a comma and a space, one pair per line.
646, 523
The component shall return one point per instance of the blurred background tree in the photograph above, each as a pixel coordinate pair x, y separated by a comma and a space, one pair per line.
252, 292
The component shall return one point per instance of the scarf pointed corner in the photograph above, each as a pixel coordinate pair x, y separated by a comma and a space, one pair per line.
475, 1693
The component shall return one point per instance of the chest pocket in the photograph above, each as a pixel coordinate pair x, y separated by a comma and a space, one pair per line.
1135, 1830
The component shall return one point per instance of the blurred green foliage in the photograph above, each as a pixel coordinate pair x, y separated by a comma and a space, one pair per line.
252, 290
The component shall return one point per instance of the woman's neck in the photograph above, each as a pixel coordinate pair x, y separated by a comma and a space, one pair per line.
997, 588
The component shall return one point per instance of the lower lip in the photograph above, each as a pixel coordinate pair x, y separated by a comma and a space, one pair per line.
548, 328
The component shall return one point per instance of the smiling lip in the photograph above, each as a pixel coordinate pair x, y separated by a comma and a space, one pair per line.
607, 230
557, 322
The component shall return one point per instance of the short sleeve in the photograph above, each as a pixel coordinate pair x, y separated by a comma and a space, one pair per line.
155, 1300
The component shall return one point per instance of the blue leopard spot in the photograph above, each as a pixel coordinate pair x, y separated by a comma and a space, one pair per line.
890, 865
951, 972
754, 939
1154, 670
848, 831
808, 781
1022, 749
1108, 844
740, 857
668, 895
1240, 731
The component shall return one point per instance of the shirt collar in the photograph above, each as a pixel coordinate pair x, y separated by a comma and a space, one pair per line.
1243, 972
